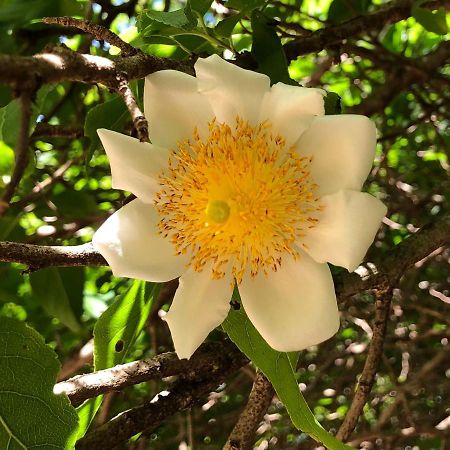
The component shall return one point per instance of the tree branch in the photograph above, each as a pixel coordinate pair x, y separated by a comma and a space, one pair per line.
40, 256
383, 297
62, 64
139, 121
82, 387
243, 435
413, 249
21, 152
330, 36
184, 394
411, 72
97, 31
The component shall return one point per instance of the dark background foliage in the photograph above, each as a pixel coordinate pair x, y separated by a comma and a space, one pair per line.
384, 59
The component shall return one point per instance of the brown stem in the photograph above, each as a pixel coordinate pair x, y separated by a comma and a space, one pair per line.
82, 387
97, 31
184, 394
40, 256
243, 435
21, 152
330, 36
139, 121
383, 297
62, 64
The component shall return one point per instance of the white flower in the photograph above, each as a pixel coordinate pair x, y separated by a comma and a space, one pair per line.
242, 183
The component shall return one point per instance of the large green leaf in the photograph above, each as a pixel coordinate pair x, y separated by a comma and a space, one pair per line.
115, 334
226, 26
434, 21
13, 12
343, 10
183, 19
112, 114
31, 415
279, 369
75, 204
11, 113
50, 292
268, 51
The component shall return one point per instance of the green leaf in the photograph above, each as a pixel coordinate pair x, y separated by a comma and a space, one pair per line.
11, 113
10, 122
245, 6
279, 369
31, 415
13, 12
268, 51
182, 18
343, 10
49, 290
226, 26
434, 21
200, 6
75, 204
118, 327
6, 160
112, 115
115, 334
332, 103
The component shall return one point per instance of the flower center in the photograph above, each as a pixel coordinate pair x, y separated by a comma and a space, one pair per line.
238, 200
217, 211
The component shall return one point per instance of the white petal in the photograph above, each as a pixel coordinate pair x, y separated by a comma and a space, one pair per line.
343, 148
135, 165
290, 109
294, 307
200, 305
130, 242
231, 90
346, 228
174, 107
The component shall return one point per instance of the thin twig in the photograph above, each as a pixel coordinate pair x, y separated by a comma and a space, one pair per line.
21, 152
383, 297
139, 121
97, 31
243, 435
44, 129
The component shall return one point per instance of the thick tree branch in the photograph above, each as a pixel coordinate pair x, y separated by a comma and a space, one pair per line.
411, 72
383, 296
21, 152
40, 256
82, 387
185, 393
62, 64
330, 36
243, 435
413, 249
97, 31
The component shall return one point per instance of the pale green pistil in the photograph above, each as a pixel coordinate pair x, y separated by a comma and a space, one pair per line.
217, 211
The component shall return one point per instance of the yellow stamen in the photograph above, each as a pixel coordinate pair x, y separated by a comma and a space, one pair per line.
238, 200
